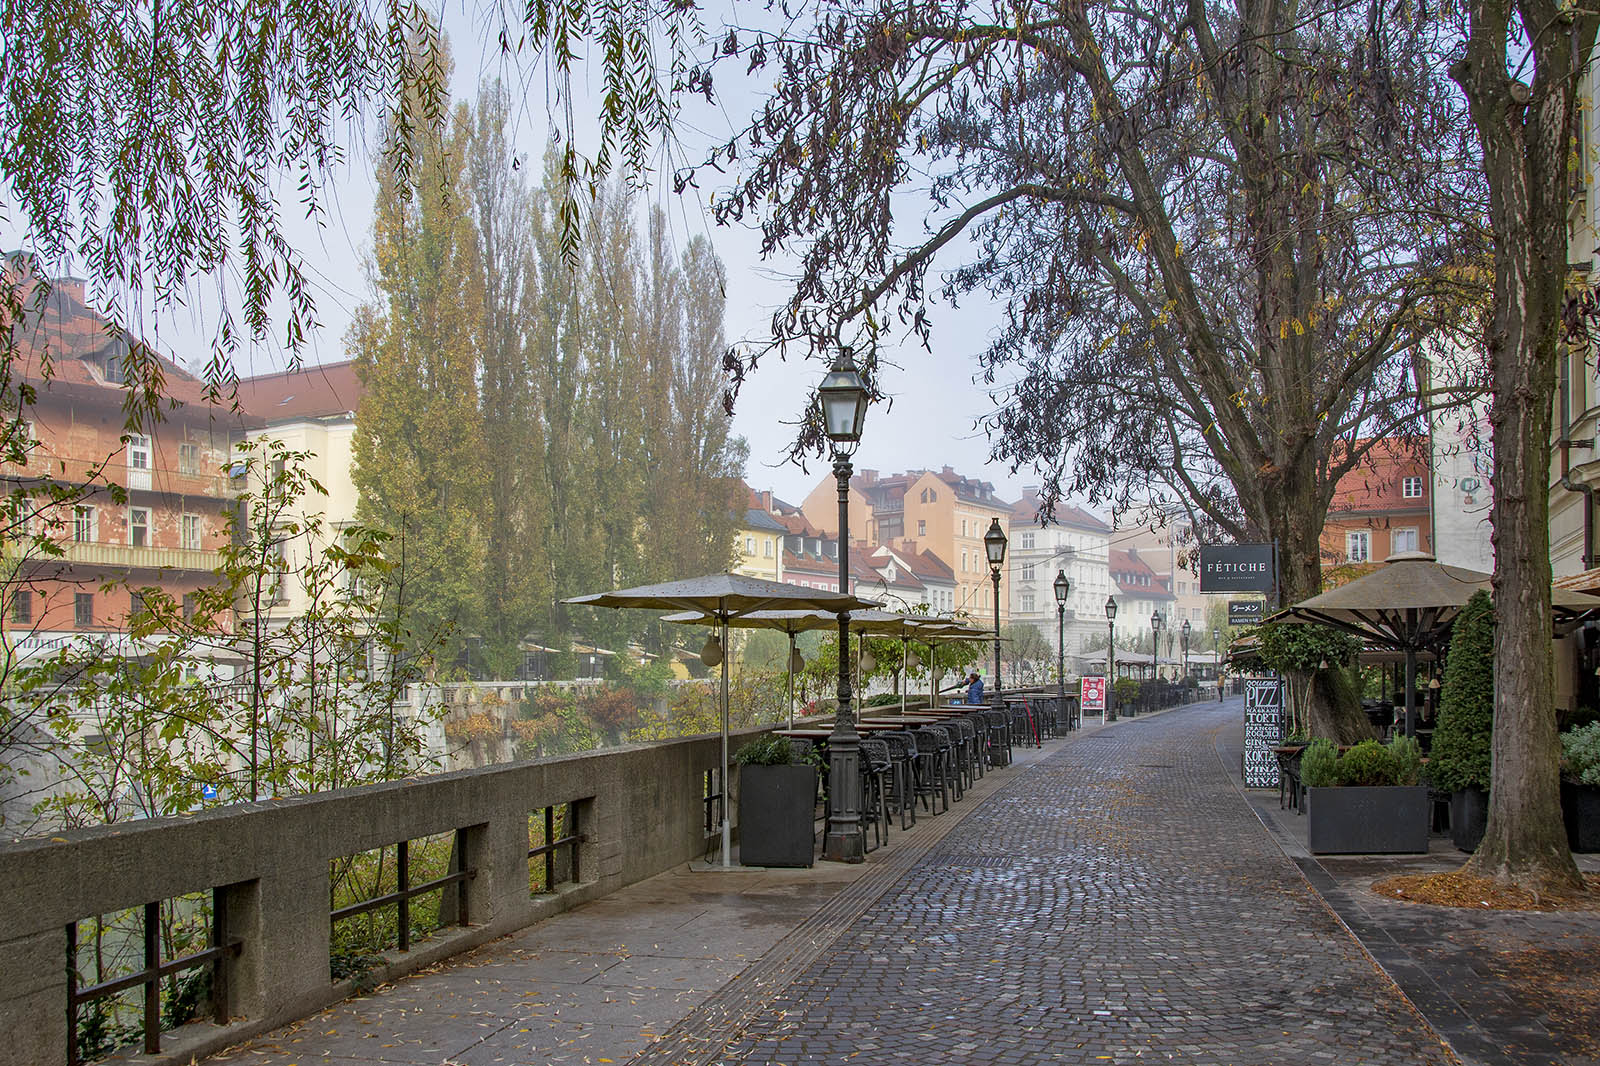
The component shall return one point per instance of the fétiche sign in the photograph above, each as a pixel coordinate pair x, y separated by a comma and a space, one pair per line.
1246, 612
1263, 730
1092, 694
1236, 568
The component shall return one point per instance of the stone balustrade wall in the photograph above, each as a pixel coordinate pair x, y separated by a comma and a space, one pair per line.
642, 812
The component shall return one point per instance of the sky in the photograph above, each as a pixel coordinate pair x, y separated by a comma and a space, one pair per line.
930, 419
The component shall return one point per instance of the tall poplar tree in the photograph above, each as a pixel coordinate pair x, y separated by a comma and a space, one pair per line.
420, 463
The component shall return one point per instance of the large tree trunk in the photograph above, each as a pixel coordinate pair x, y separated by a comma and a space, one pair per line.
1295, 516
1525, 137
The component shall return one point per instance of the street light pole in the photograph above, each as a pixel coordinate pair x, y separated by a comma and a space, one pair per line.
1110, 713
994, 546
844, 410
1155, 645
1183, 638
1062, 588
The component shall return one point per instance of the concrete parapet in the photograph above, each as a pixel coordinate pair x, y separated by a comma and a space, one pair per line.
642, 813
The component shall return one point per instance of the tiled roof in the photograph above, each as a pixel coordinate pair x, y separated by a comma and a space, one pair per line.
310, 392
1026, 510
755, 518
77, 341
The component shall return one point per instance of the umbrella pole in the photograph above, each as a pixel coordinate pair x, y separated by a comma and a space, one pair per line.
791, 680
727, 834
905, 653
1411, 684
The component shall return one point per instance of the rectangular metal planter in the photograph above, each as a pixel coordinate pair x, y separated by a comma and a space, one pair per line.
1357, 820
1580, 810
776, 804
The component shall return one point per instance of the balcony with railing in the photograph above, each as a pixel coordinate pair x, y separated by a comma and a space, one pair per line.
120, 556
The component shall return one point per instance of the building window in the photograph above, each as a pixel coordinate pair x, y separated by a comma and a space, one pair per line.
1411, 488
1025, 541
963, 527
963, 560
139, 527
1027, 603
22, 607
749, 545
83, 609
1027, 572
189, 458
115, 372
135, 604
767, 548
190, 601
1358, 546
189, 532
138, 453
83, 524
1403, 540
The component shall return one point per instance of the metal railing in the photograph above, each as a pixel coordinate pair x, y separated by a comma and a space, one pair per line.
153, 973
569, 839
405, 891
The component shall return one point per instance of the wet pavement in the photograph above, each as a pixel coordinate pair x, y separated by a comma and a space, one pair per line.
1113, 898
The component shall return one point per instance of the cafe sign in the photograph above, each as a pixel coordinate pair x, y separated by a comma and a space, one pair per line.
1092, 694
1263, 726
1246, 612
1236, 568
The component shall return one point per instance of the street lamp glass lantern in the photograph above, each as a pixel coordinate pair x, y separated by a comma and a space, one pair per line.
1155, 620
1111, 608
994, 544
1186, 631
844, 400
1062, 586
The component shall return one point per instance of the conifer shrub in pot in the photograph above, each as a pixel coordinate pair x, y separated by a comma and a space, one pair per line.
777, 798
1580, 786
1459, 760
1366, 801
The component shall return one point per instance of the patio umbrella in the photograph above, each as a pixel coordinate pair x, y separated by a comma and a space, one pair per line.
790, 623
724, 597
936, 631
1409, 603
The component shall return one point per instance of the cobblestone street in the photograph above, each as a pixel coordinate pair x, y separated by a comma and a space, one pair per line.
1109, 899
1119, 903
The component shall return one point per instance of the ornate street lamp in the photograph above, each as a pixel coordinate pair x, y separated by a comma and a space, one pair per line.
1062, 587
1155, 645
994, 546
1110, 713
1183, 637
844, 411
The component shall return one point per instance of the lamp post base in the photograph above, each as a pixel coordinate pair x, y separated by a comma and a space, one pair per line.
844, 842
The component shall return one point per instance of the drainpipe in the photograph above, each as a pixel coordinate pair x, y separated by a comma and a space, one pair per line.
1566, 443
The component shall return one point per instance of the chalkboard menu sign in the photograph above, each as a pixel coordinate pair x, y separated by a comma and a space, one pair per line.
1263, 710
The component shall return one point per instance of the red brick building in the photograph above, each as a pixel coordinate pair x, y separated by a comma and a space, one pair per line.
162, 529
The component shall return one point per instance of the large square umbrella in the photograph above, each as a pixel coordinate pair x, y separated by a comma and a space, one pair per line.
1409, 604
725, 597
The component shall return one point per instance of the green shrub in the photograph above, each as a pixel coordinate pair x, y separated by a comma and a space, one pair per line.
1461, 741
1405, 760
1366, 764
1319, 764
1126, 690
883, 699
769, 750
1580, 754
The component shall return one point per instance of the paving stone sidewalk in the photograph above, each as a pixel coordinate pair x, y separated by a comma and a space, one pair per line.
1110, 900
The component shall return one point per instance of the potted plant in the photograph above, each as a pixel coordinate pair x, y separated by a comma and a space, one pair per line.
1366, 801
1580, 786
1458, 763
777, 798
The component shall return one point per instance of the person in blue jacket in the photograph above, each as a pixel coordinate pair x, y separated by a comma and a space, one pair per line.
974, 688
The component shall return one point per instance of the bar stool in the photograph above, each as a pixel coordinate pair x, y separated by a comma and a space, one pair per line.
903, 757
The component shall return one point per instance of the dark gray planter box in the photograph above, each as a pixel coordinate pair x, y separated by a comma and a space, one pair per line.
776, 804
1580, 810
1356, 820
1469, 813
